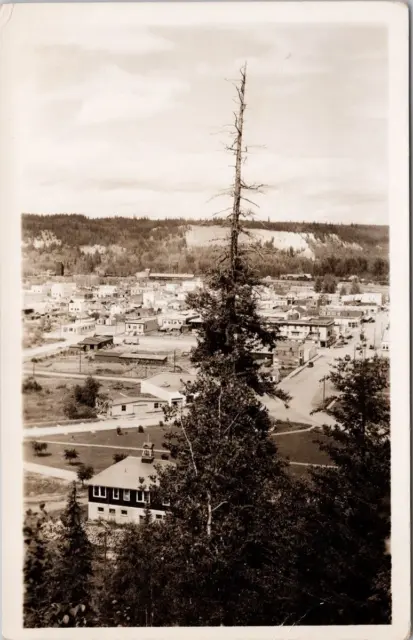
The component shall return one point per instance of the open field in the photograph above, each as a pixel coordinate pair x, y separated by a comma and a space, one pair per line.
51, 492
37, 485
97, 449
49, 402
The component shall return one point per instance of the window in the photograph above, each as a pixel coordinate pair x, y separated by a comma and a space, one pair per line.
99, 492
123, 512
126, 494
139, 496
115, 494
158, 517
156, 405
112, 511
141, 518
147, 497
101, 509
124, 407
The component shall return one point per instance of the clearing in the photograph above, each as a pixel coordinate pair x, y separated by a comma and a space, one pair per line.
49, 402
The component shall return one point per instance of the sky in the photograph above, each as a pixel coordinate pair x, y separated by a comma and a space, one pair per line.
114, 116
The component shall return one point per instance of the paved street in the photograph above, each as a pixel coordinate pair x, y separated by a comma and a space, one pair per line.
102, 425
52, 347
306, 387
52, 472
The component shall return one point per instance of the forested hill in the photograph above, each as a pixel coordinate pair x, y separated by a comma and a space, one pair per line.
123, 246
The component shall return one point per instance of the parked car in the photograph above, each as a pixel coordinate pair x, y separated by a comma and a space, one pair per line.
371, 346
311, 364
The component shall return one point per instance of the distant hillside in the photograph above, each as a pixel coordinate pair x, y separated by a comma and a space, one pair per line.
122, 246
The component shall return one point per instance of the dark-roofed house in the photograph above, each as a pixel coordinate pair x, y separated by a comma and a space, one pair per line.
122, 491
94, 343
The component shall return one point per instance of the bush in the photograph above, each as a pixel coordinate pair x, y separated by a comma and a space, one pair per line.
118, 457
39, 448
74, 411
70, 455
31, 385
164, 456
141, 429
118, 431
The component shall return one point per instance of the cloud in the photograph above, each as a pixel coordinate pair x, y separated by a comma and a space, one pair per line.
115, 94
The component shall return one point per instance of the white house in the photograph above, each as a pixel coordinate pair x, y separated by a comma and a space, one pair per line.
82, 327
139, 406
169, 387
62, 290
106, 291
385, 342
141, 326
78, 305
122, 492
41, 288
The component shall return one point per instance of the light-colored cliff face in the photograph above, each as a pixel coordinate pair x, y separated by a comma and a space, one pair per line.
303, 243
45, 239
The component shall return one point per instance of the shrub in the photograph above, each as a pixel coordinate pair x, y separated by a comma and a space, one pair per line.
118, 457
70, 455
39, 448
31, 385
141, 429
164, 456
118, 431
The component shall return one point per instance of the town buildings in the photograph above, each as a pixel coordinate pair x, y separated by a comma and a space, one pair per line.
169, 387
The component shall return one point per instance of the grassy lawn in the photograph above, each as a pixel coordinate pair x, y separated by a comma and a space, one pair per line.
302, 447
281, 426
130, 437
297, 447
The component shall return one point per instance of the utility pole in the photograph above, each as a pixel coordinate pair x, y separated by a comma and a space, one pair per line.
324, 389
174, 359
80, 360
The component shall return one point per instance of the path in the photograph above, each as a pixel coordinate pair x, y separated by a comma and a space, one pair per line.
312, 464
103, 425
287, 433
51, 347
47, 373
52, 472
102, 446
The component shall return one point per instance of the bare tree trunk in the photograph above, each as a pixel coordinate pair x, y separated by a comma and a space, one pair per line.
209, 519
236, 207
235, 228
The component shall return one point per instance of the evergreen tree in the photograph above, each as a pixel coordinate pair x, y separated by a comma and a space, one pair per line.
318, 284
231, 513
71, 579
348, 518
136, 594
37, 565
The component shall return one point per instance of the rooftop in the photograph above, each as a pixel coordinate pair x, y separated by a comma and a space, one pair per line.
126, 473
172, 381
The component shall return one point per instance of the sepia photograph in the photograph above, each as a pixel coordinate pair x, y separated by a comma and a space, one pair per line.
208, 356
